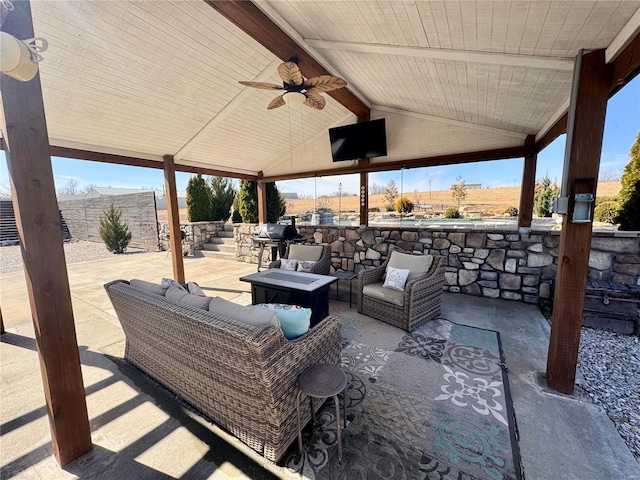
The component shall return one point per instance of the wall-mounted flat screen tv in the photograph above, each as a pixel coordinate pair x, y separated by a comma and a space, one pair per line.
360, 140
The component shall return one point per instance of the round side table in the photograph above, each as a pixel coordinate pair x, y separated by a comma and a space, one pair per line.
323, 381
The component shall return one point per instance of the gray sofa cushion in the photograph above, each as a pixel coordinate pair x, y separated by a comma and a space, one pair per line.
186, 298
309, 253
149, 287
377, 291
249, 315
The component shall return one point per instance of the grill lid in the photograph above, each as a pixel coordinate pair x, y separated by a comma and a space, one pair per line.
276, 231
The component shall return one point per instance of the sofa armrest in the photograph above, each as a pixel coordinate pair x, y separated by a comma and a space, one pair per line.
370, 275
322, 266
433, 280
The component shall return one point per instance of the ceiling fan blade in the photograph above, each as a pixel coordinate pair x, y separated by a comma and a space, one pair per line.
262, 86
290, 73
324, 83
276, 102
315, 100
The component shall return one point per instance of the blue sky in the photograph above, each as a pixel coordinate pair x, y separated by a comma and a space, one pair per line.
621, 128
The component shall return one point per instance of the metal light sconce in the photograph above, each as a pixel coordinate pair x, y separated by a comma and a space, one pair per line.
19, 58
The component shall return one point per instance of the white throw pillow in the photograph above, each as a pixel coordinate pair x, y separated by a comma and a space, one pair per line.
396, 278
288, 264
305, 266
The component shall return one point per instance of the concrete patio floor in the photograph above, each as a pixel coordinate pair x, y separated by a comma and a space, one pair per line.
140, 432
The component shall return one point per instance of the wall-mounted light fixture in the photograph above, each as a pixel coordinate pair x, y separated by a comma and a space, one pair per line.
19, 58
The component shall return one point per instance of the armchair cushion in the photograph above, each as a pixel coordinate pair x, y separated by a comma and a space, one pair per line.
288, 264
396, 278
310, 253
417, 265
377, 291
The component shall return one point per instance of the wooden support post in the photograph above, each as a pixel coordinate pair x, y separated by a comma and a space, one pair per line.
527, 189
24, 130
175, 238
584, 144
364, 197
262, 202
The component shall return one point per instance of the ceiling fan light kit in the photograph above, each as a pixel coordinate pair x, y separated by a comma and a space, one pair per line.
294, 99
298, 90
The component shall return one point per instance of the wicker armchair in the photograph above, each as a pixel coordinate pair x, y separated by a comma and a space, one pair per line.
420, 303
322, 265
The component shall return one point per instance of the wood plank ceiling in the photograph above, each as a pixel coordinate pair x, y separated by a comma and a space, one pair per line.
149, 78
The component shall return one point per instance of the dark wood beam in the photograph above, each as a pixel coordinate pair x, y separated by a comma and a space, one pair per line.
584, 145
24, 130
251, 20
626, 66
527, 189
175, 238
452, 159
73, 153
559, 128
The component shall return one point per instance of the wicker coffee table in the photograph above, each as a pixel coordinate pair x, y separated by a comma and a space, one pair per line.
323, 381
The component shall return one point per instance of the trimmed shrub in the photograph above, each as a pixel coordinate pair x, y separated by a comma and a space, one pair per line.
114, 233
511, 211
222, 197
248, 202
545, 192
404, 205
606, 212
452, 212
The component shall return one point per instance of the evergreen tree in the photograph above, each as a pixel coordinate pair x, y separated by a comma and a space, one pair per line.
248, 202
198, 200
544, 192
222, 197
631, 171
115, 234
235, 216
629, 214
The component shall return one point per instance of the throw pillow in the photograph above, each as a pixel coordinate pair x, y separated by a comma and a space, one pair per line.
149, 287
294, 320
170, 282
305, 266
288, 264
249, 315
195, 289
184, 297
396, 278
417, 265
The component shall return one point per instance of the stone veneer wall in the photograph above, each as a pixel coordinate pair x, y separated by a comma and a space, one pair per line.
196, 234
495, 264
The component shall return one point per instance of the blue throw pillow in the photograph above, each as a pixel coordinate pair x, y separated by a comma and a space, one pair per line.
294, 320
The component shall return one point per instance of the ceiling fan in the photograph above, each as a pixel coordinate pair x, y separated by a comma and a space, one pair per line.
298, 90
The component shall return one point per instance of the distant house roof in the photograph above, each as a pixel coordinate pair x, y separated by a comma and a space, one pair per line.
105, 191
69, 196
289, 195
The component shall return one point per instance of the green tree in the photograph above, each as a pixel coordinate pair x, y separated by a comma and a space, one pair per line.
222, 197
248, 202
629, 214
235, 216
631, 171
544, 192
459, 190
404, 205
114, 233
390, 195
198, 199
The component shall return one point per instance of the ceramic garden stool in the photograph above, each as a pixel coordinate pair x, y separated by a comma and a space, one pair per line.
323, 381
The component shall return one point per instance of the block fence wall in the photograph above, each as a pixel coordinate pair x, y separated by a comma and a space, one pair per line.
494, 264
138, 210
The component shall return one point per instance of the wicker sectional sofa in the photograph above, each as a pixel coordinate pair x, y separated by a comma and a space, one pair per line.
243, 377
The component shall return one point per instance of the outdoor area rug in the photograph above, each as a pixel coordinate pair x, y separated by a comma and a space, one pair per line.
432, 404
